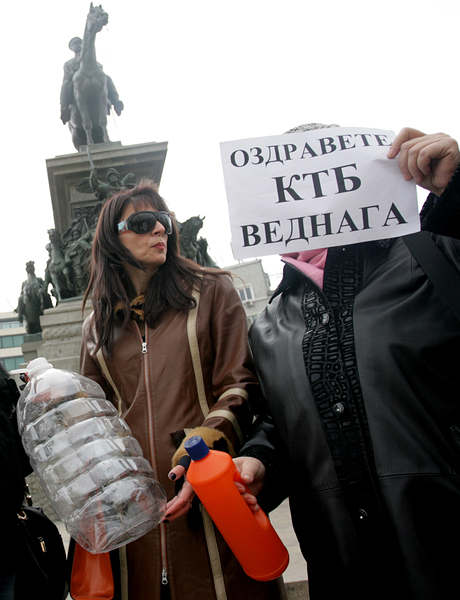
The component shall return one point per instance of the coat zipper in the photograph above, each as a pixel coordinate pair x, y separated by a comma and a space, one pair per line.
164, 561
164, 576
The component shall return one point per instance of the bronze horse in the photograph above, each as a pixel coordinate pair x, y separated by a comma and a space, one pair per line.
55, 274
88, 111
190, 246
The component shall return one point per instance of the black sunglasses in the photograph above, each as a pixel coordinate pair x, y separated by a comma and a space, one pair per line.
144, 221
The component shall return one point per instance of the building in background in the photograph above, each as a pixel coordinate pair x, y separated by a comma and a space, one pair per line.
11, 337
253, 286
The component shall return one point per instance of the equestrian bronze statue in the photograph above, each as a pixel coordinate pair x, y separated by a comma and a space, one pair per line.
87, 93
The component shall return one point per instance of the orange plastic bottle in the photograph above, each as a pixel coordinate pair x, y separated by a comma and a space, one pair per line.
250, 536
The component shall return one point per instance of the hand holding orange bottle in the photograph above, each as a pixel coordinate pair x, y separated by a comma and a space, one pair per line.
250, 535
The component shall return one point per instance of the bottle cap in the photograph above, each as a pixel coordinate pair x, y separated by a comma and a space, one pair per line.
38, 365
196, 447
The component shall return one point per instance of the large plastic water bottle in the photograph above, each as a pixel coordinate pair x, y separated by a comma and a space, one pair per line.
250, 536
90, 466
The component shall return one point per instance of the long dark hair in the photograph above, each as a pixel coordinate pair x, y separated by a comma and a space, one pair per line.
110, 287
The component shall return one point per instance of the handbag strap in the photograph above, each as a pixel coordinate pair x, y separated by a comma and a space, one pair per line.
105, 371
444, 277
195, 353
101, 359
210, 535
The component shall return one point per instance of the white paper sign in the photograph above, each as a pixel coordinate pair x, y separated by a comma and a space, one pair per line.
322, 188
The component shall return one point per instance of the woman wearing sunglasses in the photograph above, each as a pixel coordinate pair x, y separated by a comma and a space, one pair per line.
174, 339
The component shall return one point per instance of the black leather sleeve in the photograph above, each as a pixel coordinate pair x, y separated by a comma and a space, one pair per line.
441, 214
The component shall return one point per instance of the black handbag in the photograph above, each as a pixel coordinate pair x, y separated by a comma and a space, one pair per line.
41, 568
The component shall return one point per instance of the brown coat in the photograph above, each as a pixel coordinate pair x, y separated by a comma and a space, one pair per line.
159, 382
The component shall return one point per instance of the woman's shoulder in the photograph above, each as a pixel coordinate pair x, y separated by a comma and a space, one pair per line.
88, 321
212, 278
219, 291
88, 329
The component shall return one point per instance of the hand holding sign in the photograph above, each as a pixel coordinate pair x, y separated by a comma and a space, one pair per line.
430, 159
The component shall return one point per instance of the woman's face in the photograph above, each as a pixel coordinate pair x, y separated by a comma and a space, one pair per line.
148, 248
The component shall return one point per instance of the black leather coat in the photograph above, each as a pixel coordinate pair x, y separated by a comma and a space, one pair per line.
361, 380
14, 466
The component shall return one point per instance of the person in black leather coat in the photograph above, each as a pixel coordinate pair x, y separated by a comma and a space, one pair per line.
14, 466
360, 377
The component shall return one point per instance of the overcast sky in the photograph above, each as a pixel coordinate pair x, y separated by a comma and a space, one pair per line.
198, 73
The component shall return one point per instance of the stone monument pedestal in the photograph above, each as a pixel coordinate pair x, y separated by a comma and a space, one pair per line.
146, 161
30, 346
61, 332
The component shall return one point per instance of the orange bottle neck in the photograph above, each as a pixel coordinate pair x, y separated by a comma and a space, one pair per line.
213, 466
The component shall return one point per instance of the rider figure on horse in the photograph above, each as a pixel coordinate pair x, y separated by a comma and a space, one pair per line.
70, 68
